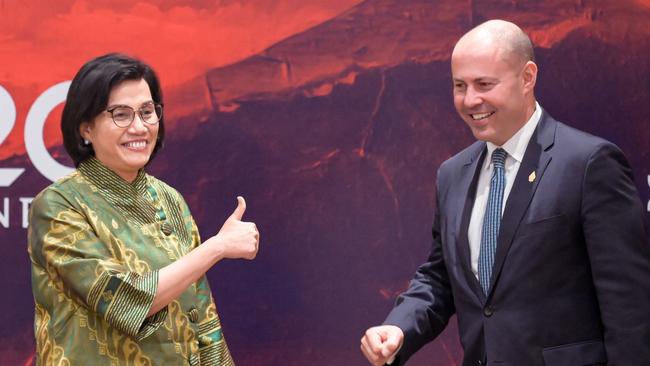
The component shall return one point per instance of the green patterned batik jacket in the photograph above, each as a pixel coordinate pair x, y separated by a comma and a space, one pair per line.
96, 244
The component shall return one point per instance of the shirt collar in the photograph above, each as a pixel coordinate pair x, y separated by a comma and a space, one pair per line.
130, 198
517, 144
103, 177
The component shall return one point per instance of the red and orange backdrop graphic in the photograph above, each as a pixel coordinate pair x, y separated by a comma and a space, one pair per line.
329, 116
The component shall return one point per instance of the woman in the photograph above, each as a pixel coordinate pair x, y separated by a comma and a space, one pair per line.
117, 265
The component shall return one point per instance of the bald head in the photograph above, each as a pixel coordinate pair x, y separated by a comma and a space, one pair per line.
494, 77
504, 37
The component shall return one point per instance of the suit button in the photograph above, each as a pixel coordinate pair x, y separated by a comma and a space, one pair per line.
487, 311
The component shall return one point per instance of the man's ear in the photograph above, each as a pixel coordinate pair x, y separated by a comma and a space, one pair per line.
529, 75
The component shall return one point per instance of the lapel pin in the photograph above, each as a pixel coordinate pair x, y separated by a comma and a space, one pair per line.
531, 177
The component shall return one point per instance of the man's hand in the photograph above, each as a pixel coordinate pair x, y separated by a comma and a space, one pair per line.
381, 344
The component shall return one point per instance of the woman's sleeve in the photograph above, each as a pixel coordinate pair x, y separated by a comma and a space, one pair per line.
63, 241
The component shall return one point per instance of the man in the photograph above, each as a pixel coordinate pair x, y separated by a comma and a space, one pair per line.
539, 241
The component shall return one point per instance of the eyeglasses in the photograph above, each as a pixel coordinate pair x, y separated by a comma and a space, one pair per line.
123, 115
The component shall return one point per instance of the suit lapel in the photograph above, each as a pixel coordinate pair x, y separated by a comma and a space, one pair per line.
536, 159
469, 179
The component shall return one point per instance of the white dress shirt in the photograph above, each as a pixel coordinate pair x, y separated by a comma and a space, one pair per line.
515, 147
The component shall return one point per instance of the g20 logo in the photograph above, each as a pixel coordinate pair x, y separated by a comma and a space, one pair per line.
34, 141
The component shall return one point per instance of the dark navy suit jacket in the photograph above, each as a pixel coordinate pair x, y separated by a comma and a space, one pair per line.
571, 277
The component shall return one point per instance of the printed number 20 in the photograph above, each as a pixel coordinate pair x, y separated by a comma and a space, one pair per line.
34, 141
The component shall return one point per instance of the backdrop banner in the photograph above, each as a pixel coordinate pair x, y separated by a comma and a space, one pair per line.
330, 117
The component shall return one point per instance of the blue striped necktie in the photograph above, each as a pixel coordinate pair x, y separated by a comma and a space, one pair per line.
492, 219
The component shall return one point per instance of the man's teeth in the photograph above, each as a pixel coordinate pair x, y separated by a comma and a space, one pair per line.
136, 144
480, 115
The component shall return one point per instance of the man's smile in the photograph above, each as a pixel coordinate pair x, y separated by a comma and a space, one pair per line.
479, 116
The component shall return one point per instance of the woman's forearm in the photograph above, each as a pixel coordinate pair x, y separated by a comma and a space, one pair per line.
235, 240
176, 277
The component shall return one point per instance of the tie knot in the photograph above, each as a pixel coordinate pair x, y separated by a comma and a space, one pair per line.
499, 158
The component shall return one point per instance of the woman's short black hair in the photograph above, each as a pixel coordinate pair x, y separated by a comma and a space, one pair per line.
88, 97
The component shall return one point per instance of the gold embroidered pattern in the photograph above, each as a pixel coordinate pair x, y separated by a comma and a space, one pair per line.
49, 353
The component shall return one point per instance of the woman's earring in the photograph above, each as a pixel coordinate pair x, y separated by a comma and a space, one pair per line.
86, 142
